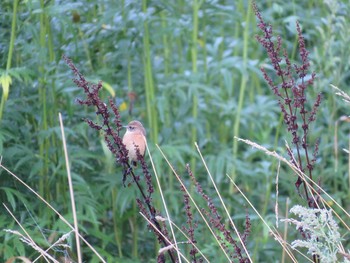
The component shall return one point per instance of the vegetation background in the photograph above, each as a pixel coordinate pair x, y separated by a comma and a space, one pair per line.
190, 71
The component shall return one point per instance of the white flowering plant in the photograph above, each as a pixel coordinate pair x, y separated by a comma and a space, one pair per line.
321, 234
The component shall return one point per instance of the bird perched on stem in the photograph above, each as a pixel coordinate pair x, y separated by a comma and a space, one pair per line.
135, 137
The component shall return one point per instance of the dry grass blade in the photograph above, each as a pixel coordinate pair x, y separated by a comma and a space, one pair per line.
28, 240
274, 232
346, 98
13, 259
305, 178
189, 240
285, 229
61, 239
277, 193
52, 208
342, 94
172, 246
223, 204
71, 191
163, 201
194, 203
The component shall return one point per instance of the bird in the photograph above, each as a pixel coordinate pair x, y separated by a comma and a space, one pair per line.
135, 136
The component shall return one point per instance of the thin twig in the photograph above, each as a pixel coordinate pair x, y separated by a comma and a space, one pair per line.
165, 238
29, 240
71, 191
223, 203
164, 203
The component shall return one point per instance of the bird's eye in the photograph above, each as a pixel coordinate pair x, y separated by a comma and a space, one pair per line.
131, 128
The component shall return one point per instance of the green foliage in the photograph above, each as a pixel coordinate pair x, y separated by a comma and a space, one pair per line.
186, 82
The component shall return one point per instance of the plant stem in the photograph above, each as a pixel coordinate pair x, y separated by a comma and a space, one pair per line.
115, 228
44, 144
196, 6
149, 84
244, 79
9, 58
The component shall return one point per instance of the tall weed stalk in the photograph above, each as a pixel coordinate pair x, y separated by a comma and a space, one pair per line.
290, 83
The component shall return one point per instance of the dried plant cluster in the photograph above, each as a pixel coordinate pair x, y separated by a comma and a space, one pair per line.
225, 237
290, 83
111, 131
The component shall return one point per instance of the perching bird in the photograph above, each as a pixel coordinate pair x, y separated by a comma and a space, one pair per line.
135, 135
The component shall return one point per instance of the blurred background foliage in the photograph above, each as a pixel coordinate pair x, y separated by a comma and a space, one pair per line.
189, 70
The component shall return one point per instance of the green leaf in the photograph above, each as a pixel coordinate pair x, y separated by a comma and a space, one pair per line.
5, 81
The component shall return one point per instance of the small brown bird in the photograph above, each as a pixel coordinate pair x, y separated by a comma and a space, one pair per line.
135, 135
